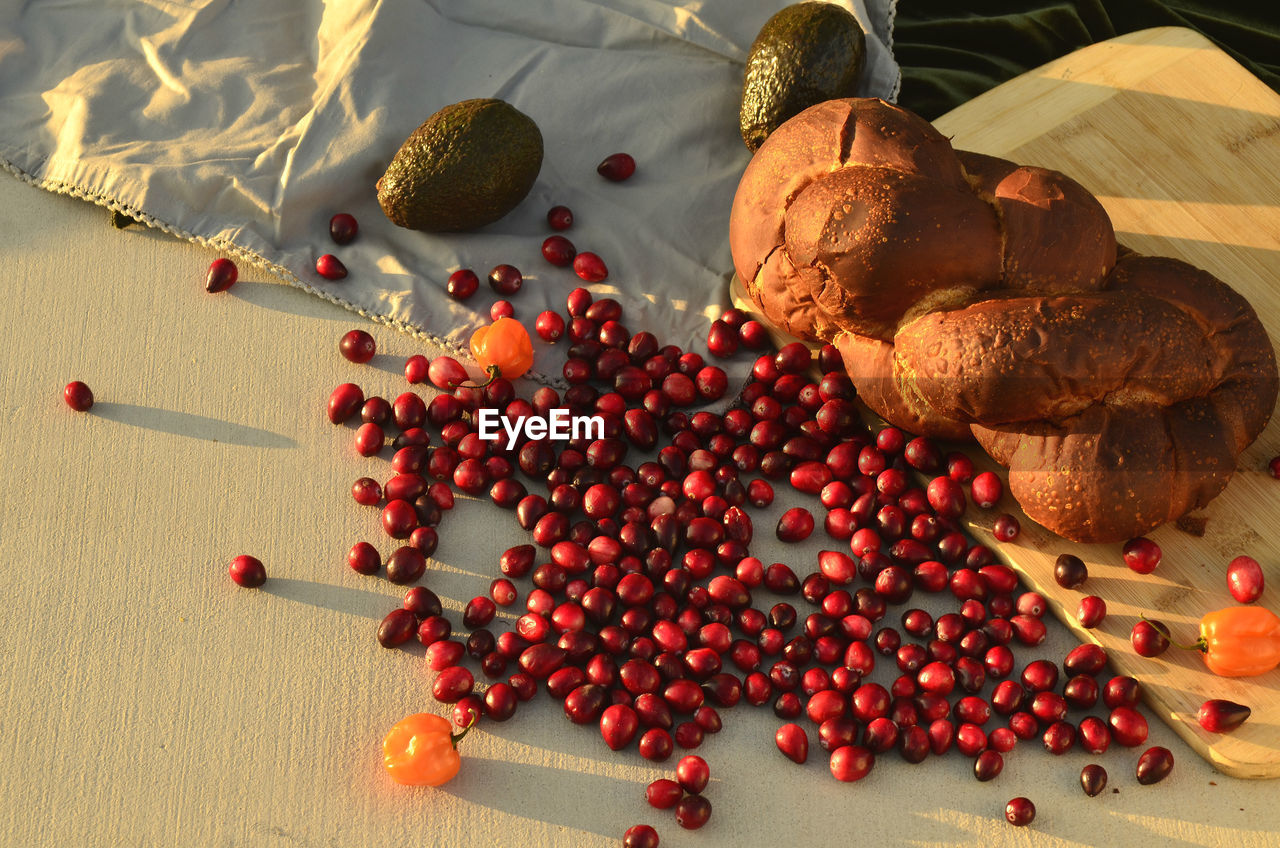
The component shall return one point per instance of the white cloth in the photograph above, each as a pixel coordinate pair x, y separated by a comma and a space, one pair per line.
246, 125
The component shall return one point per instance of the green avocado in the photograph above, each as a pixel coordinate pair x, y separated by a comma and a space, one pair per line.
805, 54
466, 166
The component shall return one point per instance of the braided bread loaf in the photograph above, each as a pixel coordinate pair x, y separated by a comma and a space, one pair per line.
971, 297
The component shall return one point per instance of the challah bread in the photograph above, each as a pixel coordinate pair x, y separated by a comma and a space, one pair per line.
971, 297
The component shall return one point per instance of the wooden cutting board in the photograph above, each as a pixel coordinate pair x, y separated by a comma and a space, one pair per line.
1182, 146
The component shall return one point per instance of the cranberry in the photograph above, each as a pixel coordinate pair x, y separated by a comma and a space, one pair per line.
1069, 571
1244, 579
640, 836
405, 565
988, 765
506, 280
1142, 555
795, 525
80, 397
617, 167
549, 326
851, 762
344, 402
462, 284
1150, 638
364, 559
1020, 812
343, 228
452, 683
1093, 779
946, 497
590, 267
1128, 727
397, 628
1090, 612
693, 811
1222, 716
330, 267
693, 773
1154, 765
986, 489
1094, 735
663, 793
559, 251
1120, 692
357, 346
1006, 528
222, 275
247, 571
1274, 467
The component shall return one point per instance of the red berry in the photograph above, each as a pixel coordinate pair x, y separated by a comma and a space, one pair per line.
501, 309
1244, 579
559, 251
663, 793
247, 571
330, 267
618, 167
364, 559
793, 742
1091, 611
416, 368
560, 217
1142, 555
506, 280
1150, 638
1274, 467
549, 326
357, 346
640, 836
1219, 715
462, 284
590, 267
343, 228
222, 276
693, 773
1154, 765
1006, 528
986, 489
692, 812
78, 396
344, 402
1020, 812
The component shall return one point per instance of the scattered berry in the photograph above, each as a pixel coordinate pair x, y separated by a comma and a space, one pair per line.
78, 396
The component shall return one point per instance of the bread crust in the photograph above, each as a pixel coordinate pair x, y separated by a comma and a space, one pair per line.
973, 297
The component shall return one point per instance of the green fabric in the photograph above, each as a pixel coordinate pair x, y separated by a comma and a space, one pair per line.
950, 54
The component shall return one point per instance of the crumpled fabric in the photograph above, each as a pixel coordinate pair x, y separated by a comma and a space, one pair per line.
248, 125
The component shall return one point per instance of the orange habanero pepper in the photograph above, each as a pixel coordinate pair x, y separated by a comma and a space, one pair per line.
503, 349
421, 750
1240, 641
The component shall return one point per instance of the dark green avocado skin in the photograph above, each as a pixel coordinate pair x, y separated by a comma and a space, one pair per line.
805, 54
466, 166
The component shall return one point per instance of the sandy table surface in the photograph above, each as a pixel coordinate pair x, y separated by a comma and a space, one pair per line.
146, 700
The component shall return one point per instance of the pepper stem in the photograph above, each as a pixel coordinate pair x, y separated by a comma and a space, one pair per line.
1198, 645
455, 738
494, 373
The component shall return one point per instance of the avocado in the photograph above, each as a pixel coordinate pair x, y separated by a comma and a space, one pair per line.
805, 54
465, 166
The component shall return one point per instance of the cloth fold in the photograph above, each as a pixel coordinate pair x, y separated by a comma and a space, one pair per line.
951, 54
247, 125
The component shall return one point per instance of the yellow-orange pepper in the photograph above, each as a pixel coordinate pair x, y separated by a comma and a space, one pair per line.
1240, 641
503, 348
422, 750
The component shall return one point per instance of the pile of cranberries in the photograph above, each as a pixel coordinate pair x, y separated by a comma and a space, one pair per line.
642, 609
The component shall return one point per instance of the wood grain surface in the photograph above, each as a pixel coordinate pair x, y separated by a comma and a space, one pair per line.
1182, 146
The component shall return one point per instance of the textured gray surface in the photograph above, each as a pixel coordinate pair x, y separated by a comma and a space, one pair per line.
145, 700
